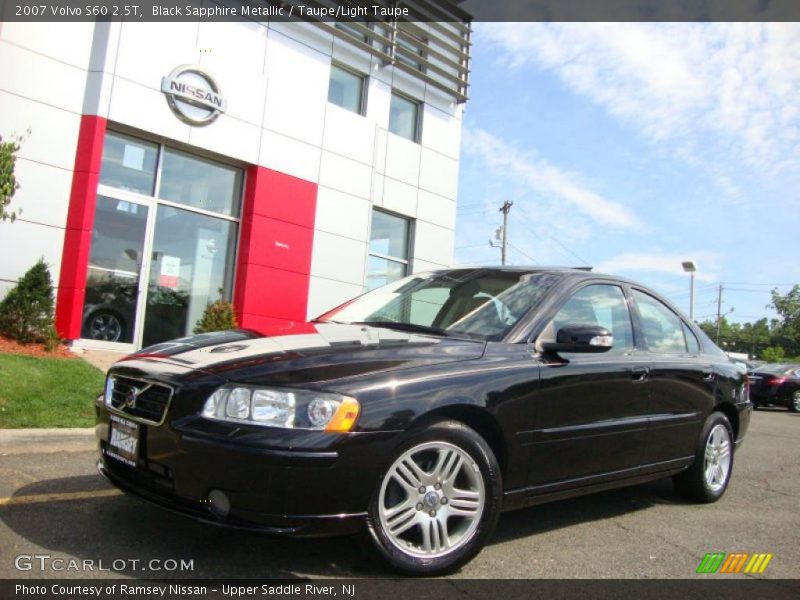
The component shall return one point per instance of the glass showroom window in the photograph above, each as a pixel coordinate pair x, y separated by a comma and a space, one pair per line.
388, 249
346, 89
404, 117
163, 241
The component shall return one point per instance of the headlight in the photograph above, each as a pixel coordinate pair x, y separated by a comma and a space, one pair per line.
291, 409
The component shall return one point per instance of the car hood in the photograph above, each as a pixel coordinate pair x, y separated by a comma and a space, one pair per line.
316, 353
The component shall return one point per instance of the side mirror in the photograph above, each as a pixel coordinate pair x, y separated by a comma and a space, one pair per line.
581, 338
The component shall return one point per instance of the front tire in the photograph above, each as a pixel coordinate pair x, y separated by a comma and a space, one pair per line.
438, 503
708, 477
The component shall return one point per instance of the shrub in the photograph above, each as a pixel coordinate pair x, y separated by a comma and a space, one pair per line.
772, 354
218, 316
26, 313
52, 340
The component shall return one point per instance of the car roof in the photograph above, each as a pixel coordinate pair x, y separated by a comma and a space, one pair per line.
571, 272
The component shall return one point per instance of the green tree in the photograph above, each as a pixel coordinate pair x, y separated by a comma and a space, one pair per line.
8, 181
773, 354
788, 307
26, 313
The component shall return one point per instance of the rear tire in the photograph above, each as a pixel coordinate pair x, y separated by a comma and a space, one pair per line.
438, 503
794, 404
708, 477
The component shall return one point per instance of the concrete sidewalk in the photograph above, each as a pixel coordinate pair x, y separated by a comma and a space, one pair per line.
46, 441
102, 359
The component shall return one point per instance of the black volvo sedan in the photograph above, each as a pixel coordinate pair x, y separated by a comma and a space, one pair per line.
419, 411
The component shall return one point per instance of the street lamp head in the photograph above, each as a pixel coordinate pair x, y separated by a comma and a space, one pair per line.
689, 266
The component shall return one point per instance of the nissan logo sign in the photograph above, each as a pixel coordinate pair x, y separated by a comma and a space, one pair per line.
193, 95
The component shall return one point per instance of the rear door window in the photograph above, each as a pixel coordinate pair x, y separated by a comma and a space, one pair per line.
662, 329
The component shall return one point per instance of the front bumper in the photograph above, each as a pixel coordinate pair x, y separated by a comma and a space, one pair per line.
321, 485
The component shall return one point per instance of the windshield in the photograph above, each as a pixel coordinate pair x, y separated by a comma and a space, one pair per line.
480, 303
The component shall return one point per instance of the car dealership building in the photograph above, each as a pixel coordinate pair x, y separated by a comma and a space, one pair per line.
286, 166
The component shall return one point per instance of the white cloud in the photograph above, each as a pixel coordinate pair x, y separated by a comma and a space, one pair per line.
544, 178
739, 82
636, 262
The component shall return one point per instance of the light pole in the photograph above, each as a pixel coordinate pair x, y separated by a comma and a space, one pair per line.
690, 267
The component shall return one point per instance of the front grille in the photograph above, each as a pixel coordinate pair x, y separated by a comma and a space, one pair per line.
141, 400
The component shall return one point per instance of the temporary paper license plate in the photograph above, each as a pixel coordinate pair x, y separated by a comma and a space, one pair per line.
123, 440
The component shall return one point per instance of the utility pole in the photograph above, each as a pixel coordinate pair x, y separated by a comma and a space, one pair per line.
719, 311
502, 233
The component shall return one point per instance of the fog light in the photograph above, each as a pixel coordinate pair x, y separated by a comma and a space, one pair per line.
219, 503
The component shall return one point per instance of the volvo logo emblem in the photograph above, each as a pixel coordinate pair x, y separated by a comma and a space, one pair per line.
431, 499
193, 95
132, 396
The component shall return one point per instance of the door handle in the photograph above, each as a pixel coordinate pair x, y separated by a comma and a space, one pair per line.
640, 374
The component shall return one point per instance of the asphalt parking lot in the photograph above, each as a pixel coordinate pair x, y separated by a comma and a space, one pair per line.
53, 503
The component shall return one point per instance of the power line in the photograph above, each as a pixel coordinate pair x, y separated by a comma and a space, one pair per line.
696, 293
557, 241
751, 283
471, 246
525, 254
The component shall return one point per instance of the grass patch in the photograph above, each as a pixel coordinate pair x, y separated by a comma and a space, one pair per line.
47, 392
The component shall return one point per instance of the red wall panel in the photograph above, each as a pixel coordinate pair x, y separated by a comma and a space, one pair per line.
274, 260
80, 220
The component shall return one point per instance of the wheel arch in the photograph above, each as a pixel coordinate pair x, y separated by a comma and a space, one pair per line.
729, 410
478, 419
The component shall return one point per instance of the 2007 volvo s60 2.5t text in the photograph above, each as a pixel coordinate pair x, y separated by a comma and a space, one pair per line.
417, 412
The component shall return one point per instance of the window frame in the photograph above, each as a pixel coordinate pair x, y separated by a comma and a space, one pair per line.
686, 328
417, 139
362, 99
152, 201
406, 262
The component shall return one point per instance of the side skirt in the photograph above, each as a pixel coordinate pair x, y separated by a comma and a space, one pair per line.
531, 496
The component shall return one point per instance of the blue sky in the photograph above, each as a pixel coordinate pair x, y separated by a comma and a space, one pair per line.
632, 147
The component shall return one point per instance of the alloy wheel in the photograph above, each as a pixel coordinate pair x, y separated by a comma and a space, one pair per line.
105, 327
717, 464
796, 401
431, 500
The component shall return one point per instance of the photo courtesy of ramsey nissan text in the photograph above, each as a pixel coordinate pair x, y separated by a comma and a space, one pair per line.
336, 298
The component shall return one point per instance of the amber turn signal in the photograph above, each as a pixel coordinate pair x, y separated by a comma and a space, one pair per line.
345, 416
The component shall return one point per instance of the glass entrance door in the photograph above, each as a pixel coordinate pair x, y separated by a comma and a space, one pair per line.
113, 282
187, 271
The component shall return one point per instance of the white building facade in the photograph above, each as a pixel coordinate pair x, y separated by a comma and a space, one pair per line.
285, 166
